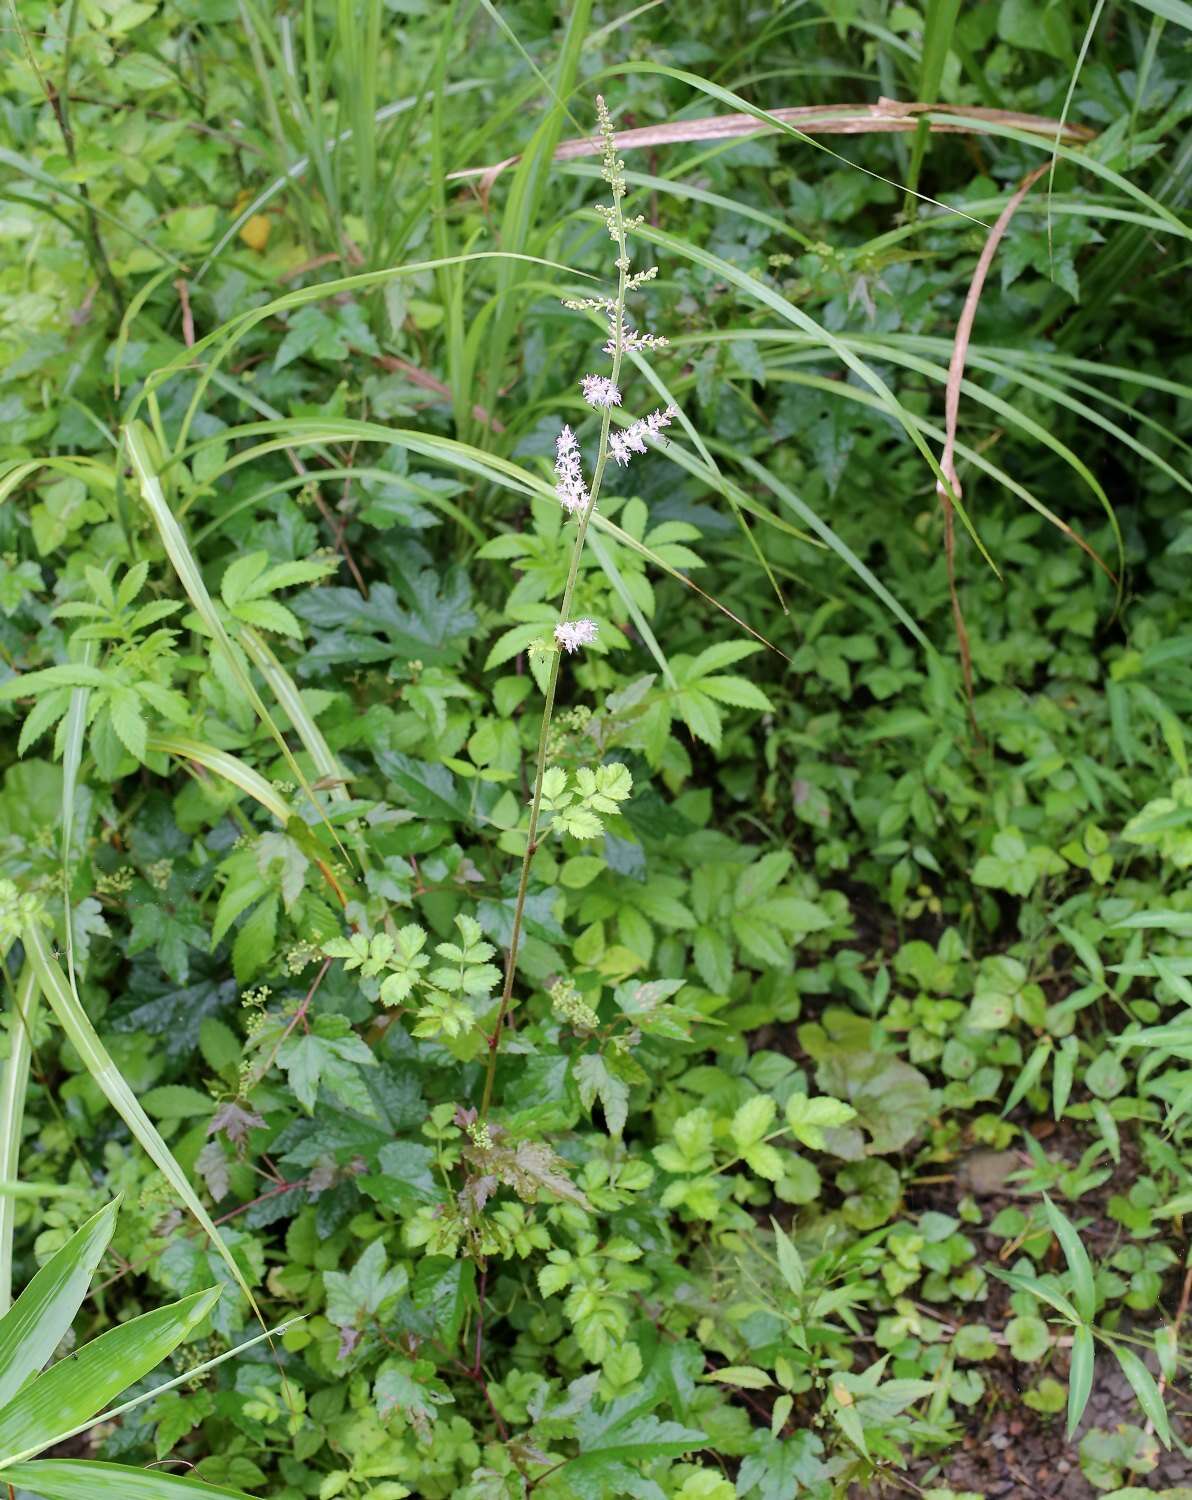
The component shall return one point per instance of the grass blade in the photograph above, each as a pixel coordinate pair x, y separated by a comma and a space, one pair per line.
113, 1413
1142, 1383
82, 1035
1084, 1293
224, 764
77, 1387
26, 1001
939, 24
34, 1326
83, 1479
1080, 1376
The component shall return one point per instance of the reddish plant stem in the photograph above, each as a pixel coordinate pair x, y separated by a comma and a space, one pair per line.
188, 317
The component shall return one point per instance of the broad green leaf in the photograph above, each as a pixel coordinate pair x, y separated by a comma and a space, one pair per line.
79, 1386
35, 1324
1029, 1338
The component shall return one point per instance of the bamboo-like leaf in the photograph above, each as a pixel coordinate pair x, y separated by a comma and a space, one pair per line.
1142, 1383
25, 1003
776, 122
448, 451
1029, 1075
1080, 1376
613, 574
81, 1384
1038, 1288
1084, 1292
940, 21
226, 765
1083, 159
82, 1479
85, 1040
114, 1413
289, 700
227, 335
32, 1328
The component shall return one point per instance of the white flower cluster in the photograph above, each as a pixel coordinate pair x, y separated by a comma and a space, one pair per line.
633, 439
598, 390
631, 338
569, 474
572, 634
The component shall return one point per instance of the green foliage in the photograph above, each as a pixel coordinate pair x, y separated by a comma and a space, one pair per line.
726, 1059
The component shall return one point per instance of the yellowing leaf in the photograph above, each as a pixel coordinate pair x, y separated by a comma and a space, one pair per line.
255, 232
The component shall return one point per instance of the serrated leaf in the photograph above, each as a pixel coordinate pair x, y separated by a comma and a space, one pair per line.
753, 1120
253, 947
808, 1118
790, 1262
595, 1081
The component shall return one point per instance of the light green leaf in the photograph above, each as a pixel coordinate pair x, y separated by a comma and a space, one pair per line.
753, 1120
747, 1377
808, 1118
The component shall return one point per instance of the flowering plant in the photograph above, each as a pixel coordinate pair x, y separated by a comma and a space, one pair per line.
578, 499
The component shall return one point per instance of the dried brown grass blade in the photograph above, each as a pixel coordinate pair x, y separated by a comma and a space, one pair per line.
886, 116
964, 332
952, 490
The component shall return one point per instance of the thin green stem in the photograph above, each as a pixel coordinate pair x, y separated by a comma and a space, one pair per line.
617, 322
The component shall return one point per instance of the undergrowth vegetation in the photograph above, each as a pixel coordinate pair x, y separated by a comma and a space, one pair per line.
595, 802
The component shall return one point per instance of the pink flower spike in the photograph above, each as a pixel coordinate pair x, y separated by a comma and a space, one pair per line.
599, 390
569, 474
572, 634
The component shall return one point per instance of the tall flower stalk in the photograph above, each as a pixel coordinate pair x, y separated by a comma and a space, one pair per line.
603, 393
